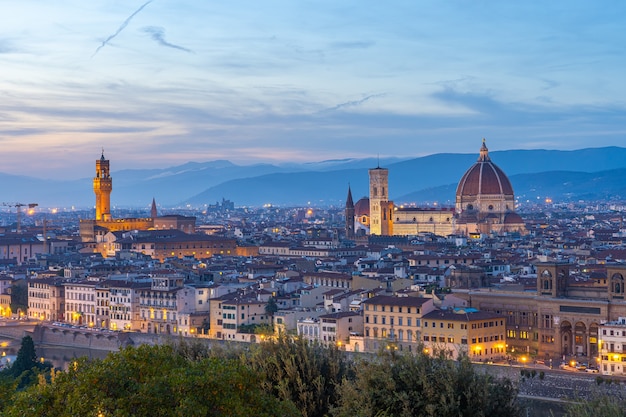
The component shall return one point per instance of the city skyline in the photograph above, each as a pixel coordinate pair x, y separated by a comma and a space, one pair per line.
160, 83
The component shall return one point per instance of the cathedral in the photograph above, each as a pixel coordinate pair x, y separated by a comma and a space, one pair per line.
485, 204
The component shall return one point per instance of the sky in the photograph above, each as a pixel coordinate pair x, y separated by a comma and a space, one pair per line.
159, 83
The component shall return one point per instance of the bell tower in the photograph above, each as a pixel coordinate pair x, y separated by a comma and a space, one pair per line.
349, 215
102, 187
379, 179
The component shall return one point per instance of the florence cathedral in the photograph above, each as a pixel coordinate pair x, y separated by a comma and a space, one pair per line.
485, 203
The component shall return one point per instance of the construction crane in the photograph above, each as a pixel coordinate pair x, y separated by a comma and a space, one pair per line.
19, 206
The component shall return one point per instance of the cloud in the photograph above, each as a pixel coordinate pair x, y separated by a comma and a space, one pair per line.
156, 33
121, 28
353, 103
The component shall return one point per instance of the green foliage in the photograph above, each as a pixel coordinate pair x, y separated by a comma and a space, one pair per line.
19, 296
307, 374
26, 357
25, 370
271, 307
151, 381
420, 385
605, 406
283, 377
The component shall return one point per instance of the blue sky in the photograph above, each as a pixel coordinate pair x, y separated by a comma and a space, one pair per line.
163, 82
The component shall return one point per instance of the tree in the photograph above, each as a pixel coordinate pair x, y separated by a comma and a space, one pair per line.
301, 372
271, 307
26, 357
26, 369
406, 385
153, 381
604, 405
19, 296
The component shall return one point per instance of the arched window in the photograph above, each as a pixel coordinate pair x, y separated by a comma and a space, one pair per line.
617, 284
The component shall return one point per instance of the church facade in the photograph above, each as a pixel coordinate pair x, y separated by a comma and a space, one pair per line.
485, 203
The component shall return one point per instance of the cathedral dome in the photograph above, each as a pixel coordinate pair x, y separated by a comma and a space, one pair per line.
484, 178
362, 207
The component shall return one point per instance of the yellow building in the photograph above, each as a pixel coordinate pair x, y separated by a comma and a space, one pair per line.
46, 299
394, 322
465, 331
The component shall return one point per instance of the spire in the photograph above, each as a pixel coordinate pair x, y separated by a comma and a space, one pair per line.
349, 201
153, 210
484, 153
102, 156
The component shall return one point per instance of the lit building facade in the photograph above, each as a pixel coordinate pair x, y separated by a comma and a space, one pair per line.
481, 335
157, 304
102, 187
612, 347
394, 322
485, 203
558, 319
80, 303
46, 299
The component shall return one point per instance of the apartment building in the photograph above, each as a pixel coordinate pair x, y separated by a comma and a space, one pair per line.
46, 299
612, 347
394, 321
80, 303
157, 304
465, 331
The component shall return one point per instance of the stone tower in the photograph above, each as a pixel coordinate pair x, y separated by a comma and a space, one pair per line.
349, 215
102, 187
552, 278
380, 206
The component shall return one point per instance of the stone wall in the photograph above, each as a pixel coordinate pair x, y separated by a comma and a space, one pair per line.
81, 338
16, 330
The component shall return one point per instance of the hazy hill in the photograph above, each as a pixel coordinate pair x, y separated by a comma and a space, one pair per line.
431, 178
560, 174
558, 185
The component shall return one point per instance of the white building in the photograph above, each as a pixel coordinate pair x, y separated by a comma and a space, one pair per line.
612, 347
80, 303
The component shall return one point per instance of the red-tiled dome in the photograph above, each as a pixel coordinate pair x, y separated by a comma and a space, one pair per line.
484, 177
513, 218
362, 207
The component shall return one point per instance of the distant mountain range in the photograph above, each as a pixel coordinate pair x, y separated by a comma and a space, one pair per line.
588, 174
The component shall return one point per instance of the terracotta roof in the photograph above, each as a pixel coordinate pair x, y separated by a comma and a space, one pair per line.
484, 177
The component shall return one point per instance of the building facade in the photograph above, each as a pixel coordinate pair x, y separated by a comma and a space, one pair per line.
394, 322
484, 203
